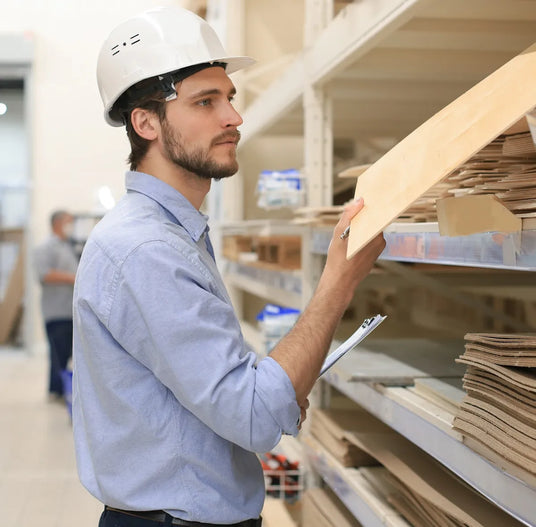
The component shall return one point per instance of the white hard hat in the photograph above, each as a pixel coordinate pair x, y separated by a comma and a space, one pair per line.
154, 43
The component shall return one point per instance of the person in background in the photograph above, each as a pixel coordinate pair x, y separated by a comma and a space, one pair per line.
170, 406
56, 264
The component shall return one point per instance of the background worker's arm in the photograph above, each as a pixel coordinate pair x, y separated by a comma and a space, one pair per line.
302, 352
56, 276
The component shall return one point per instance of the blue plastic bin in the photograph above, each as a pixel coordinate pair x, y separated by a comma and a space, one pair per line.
67, 380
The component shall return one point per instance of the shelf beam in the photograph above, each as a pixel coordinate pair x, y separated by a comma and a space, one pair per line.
280, 295
356, 30
351, 34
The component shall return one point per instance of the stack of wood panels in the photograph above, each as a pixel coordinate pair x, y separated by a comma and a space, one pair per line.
329, 427
421, 490
12, 258
506, 168
498, 415
322, 508
318, 215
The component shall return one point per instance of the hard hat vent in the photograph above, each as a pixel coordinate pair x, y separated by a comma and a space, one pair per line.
134, 39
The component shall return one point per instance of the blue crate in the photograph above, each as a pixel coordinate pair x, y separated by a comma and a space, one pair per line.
67, 380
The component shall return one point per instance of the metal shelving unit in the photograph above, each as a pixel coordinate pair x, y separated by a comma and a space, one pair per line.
422, 243
283, 287
374, 73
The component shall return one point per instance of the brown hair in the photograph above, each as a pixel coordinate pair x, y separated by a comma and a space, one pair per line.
150, 94
154, 102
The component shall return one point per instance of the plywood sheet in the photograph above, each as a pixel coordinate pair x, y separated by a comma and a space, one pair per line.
275, 514
446, 392
11, 303
441, 144
474, 213
354, 172
437, 416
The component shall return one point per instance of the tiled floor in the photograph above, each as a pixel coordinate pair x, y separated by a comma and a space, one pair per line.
38, 481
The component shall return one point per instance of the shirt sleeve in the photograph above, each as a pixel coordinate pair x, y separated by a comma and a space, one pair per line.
169, 313
43, 261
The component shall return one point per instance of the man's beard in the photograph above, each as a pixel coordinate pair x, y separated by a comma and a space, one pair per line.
196, 160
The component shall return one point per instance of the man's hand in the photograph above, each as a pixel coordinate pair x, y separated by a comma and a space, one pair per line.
340, 275
303, 413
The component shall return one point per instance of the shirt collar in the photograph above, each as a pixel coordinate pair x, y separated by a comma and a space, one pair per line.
172, 200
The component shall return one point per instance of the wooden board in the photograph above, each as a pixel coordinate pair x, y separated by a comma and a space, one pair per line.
441, 144
275, 514
474, 213
354, 172
437, 416
11, 303
447, 392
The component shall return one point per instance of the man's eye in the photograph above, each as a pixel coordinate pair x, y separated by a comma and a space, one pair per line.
204, 102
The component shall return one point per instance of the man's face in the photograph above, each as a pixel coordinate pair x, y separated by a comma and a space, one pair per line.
200, 131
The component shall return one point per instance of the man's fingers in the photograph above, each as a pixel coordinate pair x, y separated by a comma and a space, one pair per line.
349, 212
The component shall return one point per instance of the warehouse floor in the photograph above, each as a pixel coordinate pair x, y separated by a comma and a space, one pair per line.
38, 480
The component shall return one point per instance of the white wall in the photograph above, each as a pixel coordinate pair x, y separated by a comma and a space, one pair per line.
73, 151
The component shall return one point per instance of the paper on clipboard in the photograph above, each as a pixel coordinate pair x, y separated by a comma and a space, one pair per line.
368, 326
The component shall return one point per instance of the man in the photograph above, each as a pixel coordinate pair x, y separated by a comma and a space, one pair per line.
169, 405
56, 263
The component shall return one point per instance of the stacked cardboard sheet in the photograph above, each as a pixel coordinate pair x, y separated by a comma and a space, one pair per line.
418, 512
318, 215
505, 168
498, 415
329, 427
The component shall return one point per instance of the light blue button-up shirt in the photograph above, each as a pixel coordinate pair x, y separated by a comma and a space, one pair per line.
169, 407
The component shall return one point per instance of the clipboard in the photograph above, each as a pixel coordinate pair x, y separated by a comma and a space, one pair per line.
365, 329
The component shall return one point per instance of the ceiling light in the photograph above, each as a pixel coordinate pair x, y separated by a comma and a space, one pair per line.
3, 108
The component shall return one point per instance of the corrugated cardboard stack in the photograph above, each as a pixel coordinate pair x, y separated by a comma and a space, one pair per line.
505, 168
498, 415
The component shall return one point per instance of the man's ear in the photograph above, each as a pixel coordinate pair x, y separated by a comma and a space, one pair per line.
145, 123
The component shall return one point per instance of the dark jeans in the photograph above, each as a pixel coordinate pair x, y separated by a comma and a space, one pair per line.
115, 519
111, 518
60, 341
